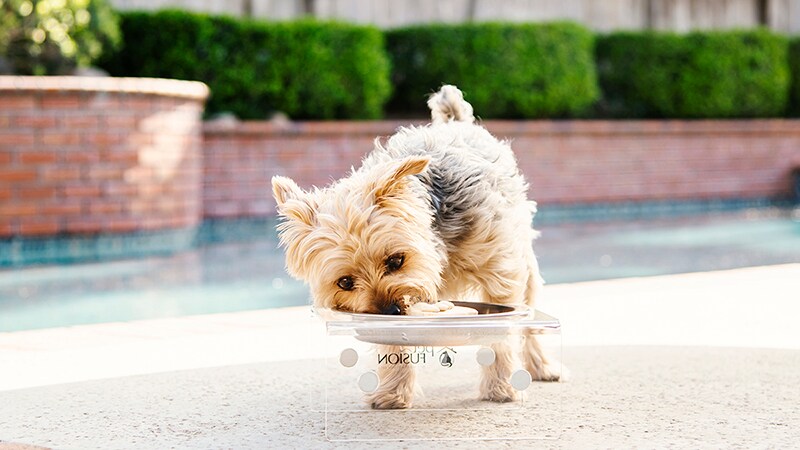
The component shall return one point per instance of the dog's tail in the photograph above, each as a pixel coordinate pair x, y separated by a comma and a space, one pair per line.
448, 105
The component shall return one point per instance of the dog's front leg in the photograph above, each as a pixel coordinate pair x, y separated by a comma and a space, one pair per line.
396, 388
494, 383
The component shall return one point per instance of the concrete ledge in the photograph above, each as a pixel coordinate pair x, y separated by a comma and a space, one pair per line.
715, 309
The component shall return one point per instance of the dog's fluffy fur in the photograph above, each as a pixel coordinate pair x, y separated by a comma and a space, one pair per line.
437, 212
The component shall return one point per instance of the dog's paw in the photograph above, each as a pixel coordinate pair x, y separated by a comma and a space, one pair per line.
549, 372
498, 391
389, 400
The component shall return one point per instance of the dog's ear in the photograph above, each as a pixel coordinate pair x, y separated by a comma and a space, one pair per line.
284, 189
395, 177
292, 202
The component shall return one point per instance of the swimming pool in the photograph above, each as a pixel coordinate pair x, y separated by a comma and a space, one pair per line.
246, 274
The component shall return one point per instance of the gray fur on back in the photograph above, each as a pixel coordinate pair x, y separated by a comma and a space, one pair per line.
469, 168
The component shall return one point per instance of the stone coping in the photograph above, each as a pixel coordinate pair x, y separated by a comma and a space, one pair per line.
515, 127
153, 86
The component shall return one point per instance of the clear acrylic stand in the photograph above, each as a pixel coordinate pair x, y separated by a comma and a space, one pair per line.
447, 355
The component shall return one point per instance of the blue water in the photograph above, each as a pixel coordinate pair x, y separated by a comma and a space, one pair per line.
248, 274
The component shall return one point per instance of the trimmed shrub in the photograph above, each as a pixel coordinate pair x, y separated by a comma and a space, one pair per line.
505, 70
54, 37
722, 74
794, 67
306, 69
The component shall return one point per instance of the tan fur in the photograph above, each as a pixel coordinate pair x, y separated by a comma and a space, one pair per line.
396, 390
450, 200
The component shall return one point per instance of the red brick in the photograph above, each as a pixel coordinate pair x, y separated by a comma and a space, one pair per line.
122, 156
61, 173
33, 228
34, 157
150, 189
61, 209
105, 172
122, 225
55, 101
13, 175
121, 122
81, 121
140, 102
7, 228
105, 101
153, 223
105, 208
5, 157
70, 191
114, 189
36, 192
103, 138
16, 139
11, 101
82, 226
81, 154
59, 137
140, 207
35, 121
18, 209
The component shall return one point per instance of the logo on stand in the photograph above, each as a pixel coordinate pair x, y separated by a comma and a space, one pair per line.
418, 355
444, 356
445, 360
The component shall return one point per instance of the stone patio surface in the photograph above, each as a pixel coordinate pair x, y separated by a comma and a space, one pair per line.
702, 360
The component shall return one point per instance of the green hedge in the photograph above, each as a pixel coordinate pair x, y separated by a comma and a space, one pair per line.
327, 70
307, 69
696, 75
505, 70
794, 66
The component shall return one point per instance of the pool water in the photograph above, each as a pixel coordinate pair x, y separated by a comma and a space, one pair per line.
249, 274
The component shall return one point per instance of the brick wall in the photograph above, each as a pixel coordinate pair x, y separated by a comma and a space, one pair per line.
240, 160
566, 162
94, 155
88, 156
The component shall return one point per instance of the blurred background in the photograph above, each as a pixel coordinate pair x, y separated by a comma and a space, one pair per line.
143, 297
138, 137
609, 15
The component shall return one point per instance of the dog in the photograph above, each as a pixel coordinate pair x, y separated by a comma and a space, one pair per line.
437, 212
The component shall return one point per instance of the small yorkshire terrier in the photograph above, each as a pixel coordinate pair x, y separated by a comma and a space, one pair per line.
438, 212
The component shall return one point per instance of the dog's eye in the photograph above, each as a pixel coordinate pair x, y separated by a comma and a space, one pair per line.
345, 283
395, 262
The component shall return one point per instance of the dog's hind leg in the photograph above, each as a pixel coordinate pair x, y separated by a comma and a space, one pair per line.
536, 361
534, 358
396, 388
500, 284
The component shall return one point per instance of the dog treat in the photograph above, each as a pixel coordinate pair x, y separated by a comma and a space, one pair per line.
443, 308
423, 307
444, 305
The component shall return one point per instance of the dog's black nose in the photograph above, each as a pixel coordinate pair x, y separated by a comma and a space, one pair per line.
392, 310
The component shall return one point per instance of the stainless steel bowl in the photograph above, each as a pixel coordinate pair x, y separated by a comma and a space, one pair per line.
492, 324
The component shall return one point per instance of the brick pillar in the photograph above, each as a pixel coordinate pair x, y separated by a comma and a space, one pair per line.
99, 155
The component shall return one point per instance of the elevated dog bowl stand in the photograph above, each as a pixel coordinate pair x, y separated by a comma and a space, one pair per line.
447, 355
